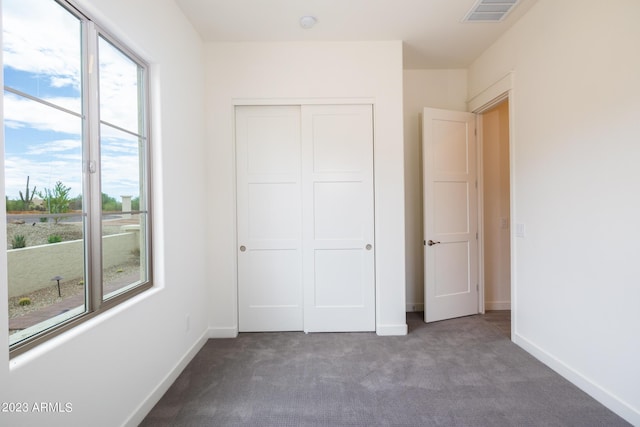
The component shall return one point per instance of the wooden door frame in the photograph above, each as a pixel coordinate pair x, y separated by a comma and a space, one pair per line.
498, 92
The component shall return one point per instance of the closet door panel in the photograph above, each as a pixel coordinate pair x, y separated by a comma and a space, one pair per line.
338, 222
269, 219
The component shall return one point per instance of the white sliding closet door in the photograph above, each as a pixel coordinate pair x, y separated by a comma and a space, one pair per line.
305, 218
338, 228
269, 219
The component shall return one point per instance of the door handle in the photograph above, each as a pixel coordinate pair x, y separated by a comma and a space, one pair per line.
243, 248
431, 243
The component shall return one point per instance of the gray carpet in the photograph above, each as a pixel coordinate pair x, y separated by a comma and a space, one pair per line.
460, 372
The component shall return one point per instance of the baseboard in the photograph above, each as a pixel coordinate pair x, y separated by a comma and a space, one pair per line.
414, 306
611, 401
392, 330
214, 333
156, 394
497, 305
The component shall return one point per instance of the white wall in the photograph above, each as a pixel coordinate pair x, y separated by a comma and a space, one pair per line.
109, 367
576, 127
422, 88
306, 72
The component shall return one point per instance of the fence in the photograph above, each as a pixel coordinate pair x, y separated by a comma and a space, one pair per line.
32, 268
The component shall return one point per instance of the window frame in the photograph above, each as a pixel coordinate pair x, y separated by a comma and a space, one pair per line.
96, 302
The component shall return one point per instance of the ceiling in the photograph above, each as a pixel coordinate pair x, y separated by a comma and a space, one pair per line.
433, 33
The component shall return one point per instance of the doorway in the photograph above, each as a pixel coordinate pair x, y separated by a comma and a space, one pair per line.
496, 221
454, 250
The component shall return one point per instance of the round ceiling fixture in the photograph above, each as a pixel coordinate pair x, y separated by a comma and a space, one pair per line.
308, 21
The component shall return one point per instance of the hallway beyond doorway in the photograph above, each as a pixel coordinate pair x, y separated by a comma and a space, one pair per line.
500, 319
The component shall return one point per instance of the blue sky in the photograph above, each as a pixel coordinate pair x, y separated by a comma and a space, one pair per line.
41, 49
40, 85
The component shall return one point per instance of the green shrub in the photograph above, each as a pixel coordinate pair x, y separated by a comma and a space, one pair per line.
54, 238
57, 200
44, 219
24, 301
13, 205
18, 241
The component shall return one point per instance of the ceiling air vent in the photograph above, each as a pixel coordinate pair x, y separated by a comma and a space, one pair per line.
490, 10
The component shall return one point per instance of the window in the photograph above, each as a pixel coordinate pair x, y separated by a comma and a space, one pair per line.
76, 169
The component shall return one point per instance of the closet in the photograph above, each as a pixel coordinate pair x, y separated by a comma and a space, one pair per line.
305, 218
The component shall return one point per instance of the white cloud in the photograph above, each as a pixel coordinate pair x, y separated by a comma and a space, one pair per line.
118, 88
119, 174
121, 165
54, 147
41, 175
61, 81
122, 147
40, 36
22, 112
43, 39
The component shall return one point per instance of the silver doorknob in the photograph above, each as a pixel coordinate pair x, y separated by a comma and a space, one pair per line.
431, 243
368, 247
243, 248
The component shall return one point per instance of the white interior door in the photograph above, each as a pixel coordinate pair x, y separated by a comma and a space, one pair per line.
450, 214
338, 221
269, 219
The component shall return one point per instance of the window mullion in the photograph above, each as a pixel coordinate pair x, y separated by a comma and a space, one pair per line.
93, 209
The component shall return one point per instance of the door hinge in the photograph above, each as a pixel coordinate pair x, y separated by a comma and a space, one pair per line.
477, 287
476, 235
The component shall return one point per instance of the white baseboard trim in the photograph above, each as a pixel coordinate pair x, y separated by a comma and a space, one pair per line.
214, 333
414, 306
608, 399
497, 305
156, 394
392, 330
